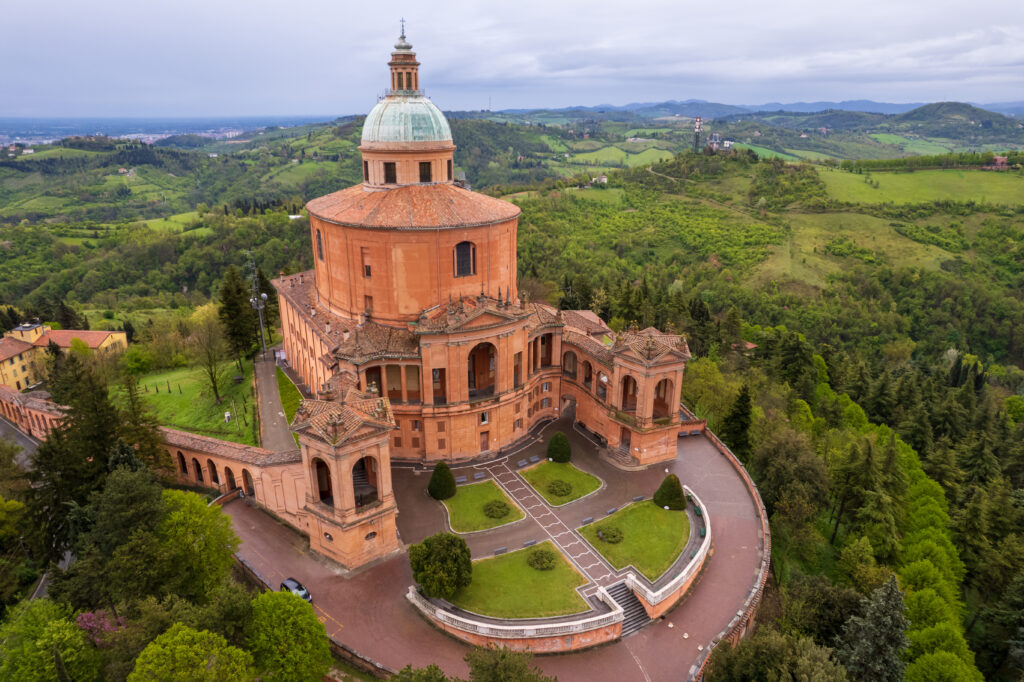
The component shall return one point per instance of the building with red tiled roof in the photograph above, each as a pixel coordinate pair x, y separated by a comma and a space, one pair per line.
414, 294
22, 350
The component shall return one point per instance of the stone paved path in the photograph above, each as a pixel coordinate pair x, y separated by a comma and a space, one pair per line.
590, 564
274, 432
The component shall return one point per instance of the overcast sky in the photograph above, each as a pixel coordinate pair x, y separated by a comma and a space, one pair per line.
328, 57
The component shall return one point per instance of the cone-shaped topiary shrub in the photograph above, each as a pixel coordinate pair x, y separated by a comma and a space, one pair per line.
442, 482
559, 449
670, 493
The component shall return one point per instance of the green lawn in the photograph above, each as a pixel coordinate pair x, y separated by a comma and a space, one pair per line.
652, 537
508, 587
923, 186
765, 153
466, 509
541, 475
189, 405
290, 398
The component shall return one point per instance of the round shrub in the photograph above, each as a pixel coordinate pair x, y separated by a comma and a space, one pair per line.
610, 534
542, 559
496, 509
559, 488
559, 449
442, 482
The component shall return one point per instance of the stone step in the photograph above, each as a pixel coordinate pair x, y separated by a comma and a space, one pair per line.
634, 615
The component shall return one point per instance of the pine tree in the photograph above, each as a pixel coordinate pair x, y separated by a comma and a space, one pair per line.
736, 426
870, 645
916, 430
271, 311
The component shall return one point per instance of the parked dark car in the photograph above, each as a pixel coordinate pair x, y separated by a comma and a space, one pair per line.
295, 587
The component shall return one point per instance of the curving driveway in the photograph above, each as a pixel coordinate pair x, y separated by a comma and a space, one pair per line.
367, 610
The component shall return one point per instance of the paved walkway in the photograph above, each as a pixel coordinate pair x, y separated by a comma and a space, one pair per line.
274, 432
590, 563
368, 610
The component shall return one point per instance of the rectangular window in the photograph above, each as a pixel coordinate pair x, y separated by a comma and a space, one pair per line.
364, 251
483, 417
518, 424
441, 444
398, 442
425, 171
546, 402
519, 407
390, 174
368, 303
366, 171
545, 387
415, 442
449, 169
441, 426
517, 369
398, 423
415, 424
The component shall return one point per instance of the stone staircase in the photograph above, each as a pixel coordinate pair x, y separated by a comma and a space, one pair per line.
635, 615
359, 479
621, 458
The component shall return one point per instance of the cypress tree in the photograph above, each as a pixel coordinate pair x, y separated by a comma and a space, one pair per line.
559, 449
670, 493
237, 315
442, 482
736, 427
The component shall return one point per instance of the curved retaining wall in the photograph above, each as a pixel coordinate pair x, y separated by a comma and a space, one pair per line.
659, 601
738, 626
539, 637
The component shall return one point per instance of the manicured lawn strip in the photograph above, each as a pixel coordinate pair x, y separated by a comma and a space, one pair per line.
652, 537
189, 405
290, 396
508, 587
545, 472
466, 509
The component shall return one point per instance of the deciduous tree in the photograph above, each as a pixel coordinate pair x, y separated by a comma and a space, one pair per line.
441, 564
286, 640
185, 655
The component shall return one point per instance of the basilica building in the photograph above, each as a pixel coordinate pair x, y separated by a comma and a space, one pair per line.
414, 298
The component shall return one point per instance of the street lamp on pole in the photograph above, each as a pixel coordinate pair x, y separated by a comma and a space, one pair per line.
258, 303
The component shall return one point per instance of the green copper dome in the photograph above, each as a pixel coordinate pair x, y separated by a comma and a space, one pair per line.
405, 118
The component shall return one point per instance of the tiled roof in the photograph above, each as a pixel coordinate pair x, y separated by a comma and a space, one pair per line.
411, 207
10, 347
586, 321
338, 421
590, 345
652, 346
34, 400
63, 337
459, 313
246, 454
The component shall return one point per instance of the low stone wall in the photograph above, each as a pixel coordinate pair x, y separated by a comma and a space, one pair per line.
558, 636
738, 626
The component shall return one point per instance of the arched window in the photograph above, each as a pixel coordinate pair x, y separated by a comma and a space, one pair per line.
319, 246
465, 259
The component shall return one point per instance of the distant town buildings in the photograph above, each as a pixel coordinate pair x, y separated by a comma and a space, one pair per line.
23, 349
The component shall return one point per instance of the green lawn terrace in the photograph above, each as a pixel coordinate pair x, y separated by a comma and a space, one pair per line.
652, 538
506, 586
466, 509
542, 475
182, 399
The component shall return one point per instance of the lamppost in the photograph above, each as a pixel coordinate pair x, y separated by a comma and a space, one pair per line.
258, 303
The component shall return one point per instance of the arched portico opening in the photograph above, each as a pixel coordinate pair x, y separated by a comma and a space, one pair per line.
365, 478
182, 464
587, 374
247, 484
569, 364
197, 470
629, 390
662, 399
482, 370
322, 482
212, 469
230, 476
624, 438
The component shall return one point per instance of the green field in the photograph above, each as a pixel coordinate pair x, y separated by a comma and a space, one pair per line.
466, 509
541, 475
652, 537
766, 153
912, 145
174, 223
182, 399
508, 587
928, 185
809, 155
